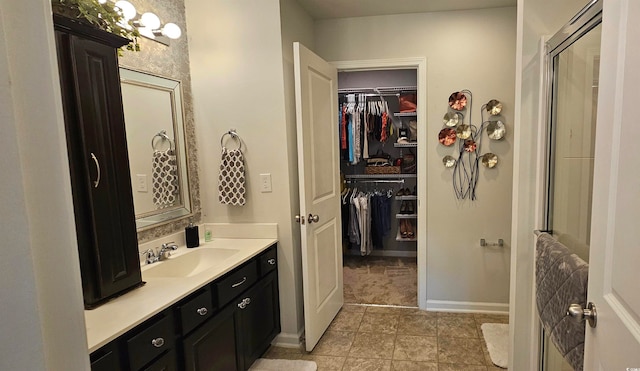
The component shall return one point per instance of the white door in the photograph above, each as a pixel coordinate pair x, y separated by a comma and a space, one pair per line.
318, 170
614, 266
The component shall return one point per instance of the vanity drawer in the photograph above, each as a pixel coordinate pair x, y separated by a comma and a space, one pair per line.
268, 261
150, 343
232, 285
195, 311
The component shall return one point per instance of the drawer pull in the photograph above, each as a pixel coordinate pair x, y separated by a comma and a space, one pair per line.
202, 311
243, 304
244, 279
271, 261
157, 342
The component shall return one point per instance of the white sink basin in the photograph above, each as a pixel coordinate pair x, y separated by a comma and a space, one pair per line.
188, 264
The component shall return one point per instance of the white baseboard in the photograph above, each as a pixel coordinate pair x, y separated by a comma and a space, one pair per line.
387, 253
287, 340
467, 307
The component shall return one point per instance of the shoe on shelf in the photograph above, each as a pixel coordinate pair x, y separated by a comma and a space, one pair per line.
402, 225
409, 229
403, 207
411, 207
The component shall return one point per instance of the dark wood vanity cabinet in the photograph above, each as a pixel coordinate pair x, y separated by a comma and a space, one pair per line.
203, 332
98, 159
250, 319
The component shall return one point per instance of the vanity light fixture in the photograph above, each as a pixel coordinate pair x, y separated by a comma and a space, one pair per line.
148, 24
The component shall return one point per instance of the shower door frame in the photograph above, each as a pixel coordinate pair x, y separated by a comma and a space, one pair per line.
581, 24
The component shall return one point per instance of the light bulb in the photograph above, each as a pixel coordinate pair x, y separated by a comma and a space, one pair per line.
150, 21
102, 1
127, 9
171, 30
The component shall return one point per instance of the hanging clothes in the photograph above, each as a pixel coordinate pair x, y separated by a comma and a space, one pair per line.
366, 219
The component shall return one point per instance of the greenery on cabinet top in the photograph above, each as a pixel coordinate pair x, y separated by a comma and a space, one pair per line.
105, 16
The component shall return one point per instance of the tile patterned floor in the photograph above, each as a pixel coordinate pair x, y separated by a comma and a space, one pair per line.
380, 280
369, 338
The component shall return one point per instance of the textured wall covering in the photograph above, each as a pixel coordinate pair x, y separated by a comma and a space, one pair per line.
173, 62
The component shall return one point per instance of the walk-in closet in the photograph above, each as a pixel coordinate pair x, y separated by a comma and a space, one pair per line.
379, 166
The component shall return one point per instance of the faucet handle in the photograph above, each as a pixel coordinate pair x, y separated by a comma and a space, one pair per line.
170, 245
150, 256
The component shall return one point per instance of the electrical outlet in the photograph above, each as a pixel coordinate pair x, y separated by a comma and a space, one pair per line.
142, 185
265, 183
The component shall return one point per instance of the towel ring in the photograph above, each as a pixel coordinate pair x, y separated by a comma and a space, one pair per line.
234, 136
163, 136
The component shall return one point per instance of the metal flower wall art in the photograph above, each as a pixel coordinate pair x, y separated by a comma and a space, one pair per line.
468, 155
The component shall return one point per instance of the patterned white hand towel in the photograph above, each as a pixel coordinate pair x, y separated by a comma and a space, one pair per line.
231, 186
164, 182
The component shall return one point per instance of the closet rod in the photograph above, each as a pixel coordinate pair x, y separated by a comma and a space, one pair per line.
380, 89
374, 181
372, 94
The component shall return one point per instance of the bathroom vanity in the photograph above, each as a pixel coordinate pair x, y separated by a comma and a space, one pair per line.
215, 307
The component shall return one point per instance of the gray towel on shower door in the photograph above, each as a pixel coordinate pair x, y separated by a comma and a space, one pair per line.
561, 280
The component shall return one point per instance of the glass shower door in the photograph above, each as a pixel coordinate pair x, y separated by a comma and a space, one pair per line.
572, 121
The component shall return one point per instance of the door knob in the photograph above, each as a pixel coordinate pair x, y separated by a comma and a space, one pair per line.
299, 219
313, 218
580, 314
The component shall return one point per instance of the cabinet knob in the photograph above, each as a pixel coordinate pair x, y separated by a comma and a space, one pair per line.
202, 311
157, 342
271, 261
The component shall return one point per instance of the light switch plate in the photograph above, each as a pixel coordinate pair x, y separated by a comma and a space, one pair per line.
265, 183
142, 185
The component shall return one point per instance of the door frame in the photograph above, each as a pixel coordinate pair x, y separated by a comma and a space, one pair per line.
420, 64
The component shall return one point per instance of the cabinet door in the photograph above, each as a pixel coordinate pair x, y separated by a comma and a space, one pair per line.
106, 359
165, 363
98, 157
212, 347
259, 318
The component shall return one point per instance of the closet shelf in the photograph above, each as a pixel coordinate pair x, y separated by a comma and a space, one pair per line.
406, 198
406, 145
406, 216
399, 238
405, 114
380, 176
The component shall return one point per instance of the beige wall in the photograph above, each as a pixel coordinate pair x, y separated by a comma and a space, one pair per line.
465, 50
296, 25
42, 315
239, 82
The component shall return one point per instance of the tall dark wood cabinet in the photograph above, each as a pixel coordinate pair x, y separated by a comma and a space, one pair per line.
98, 159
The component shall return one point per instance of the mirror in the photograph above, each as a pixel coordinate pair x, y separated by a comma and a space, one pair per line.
154, 120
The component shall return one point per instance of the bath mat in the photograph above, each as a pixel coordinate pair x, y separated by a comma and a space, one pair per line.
263, 364
496, 335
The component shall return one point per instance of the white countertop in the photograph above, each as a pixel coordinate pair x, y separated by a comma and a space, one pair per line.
121, 314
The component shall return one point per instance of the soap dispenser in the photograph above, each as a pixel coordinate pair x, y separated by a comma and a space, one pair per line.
191, 235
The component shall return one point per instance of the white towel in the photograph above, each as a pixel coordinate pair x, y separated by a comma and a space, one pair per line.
231, 188
164, 182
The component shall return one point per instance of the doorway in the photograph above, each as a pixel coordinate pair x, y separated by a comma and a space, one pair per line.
408, 260
574, 61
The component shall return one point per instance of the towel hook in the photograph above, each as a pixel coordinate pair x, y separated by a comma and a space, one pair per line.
163, 136
234, 136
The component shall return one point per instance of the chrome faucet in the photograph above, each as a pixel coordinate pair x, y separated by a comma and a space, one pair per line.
165, 250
